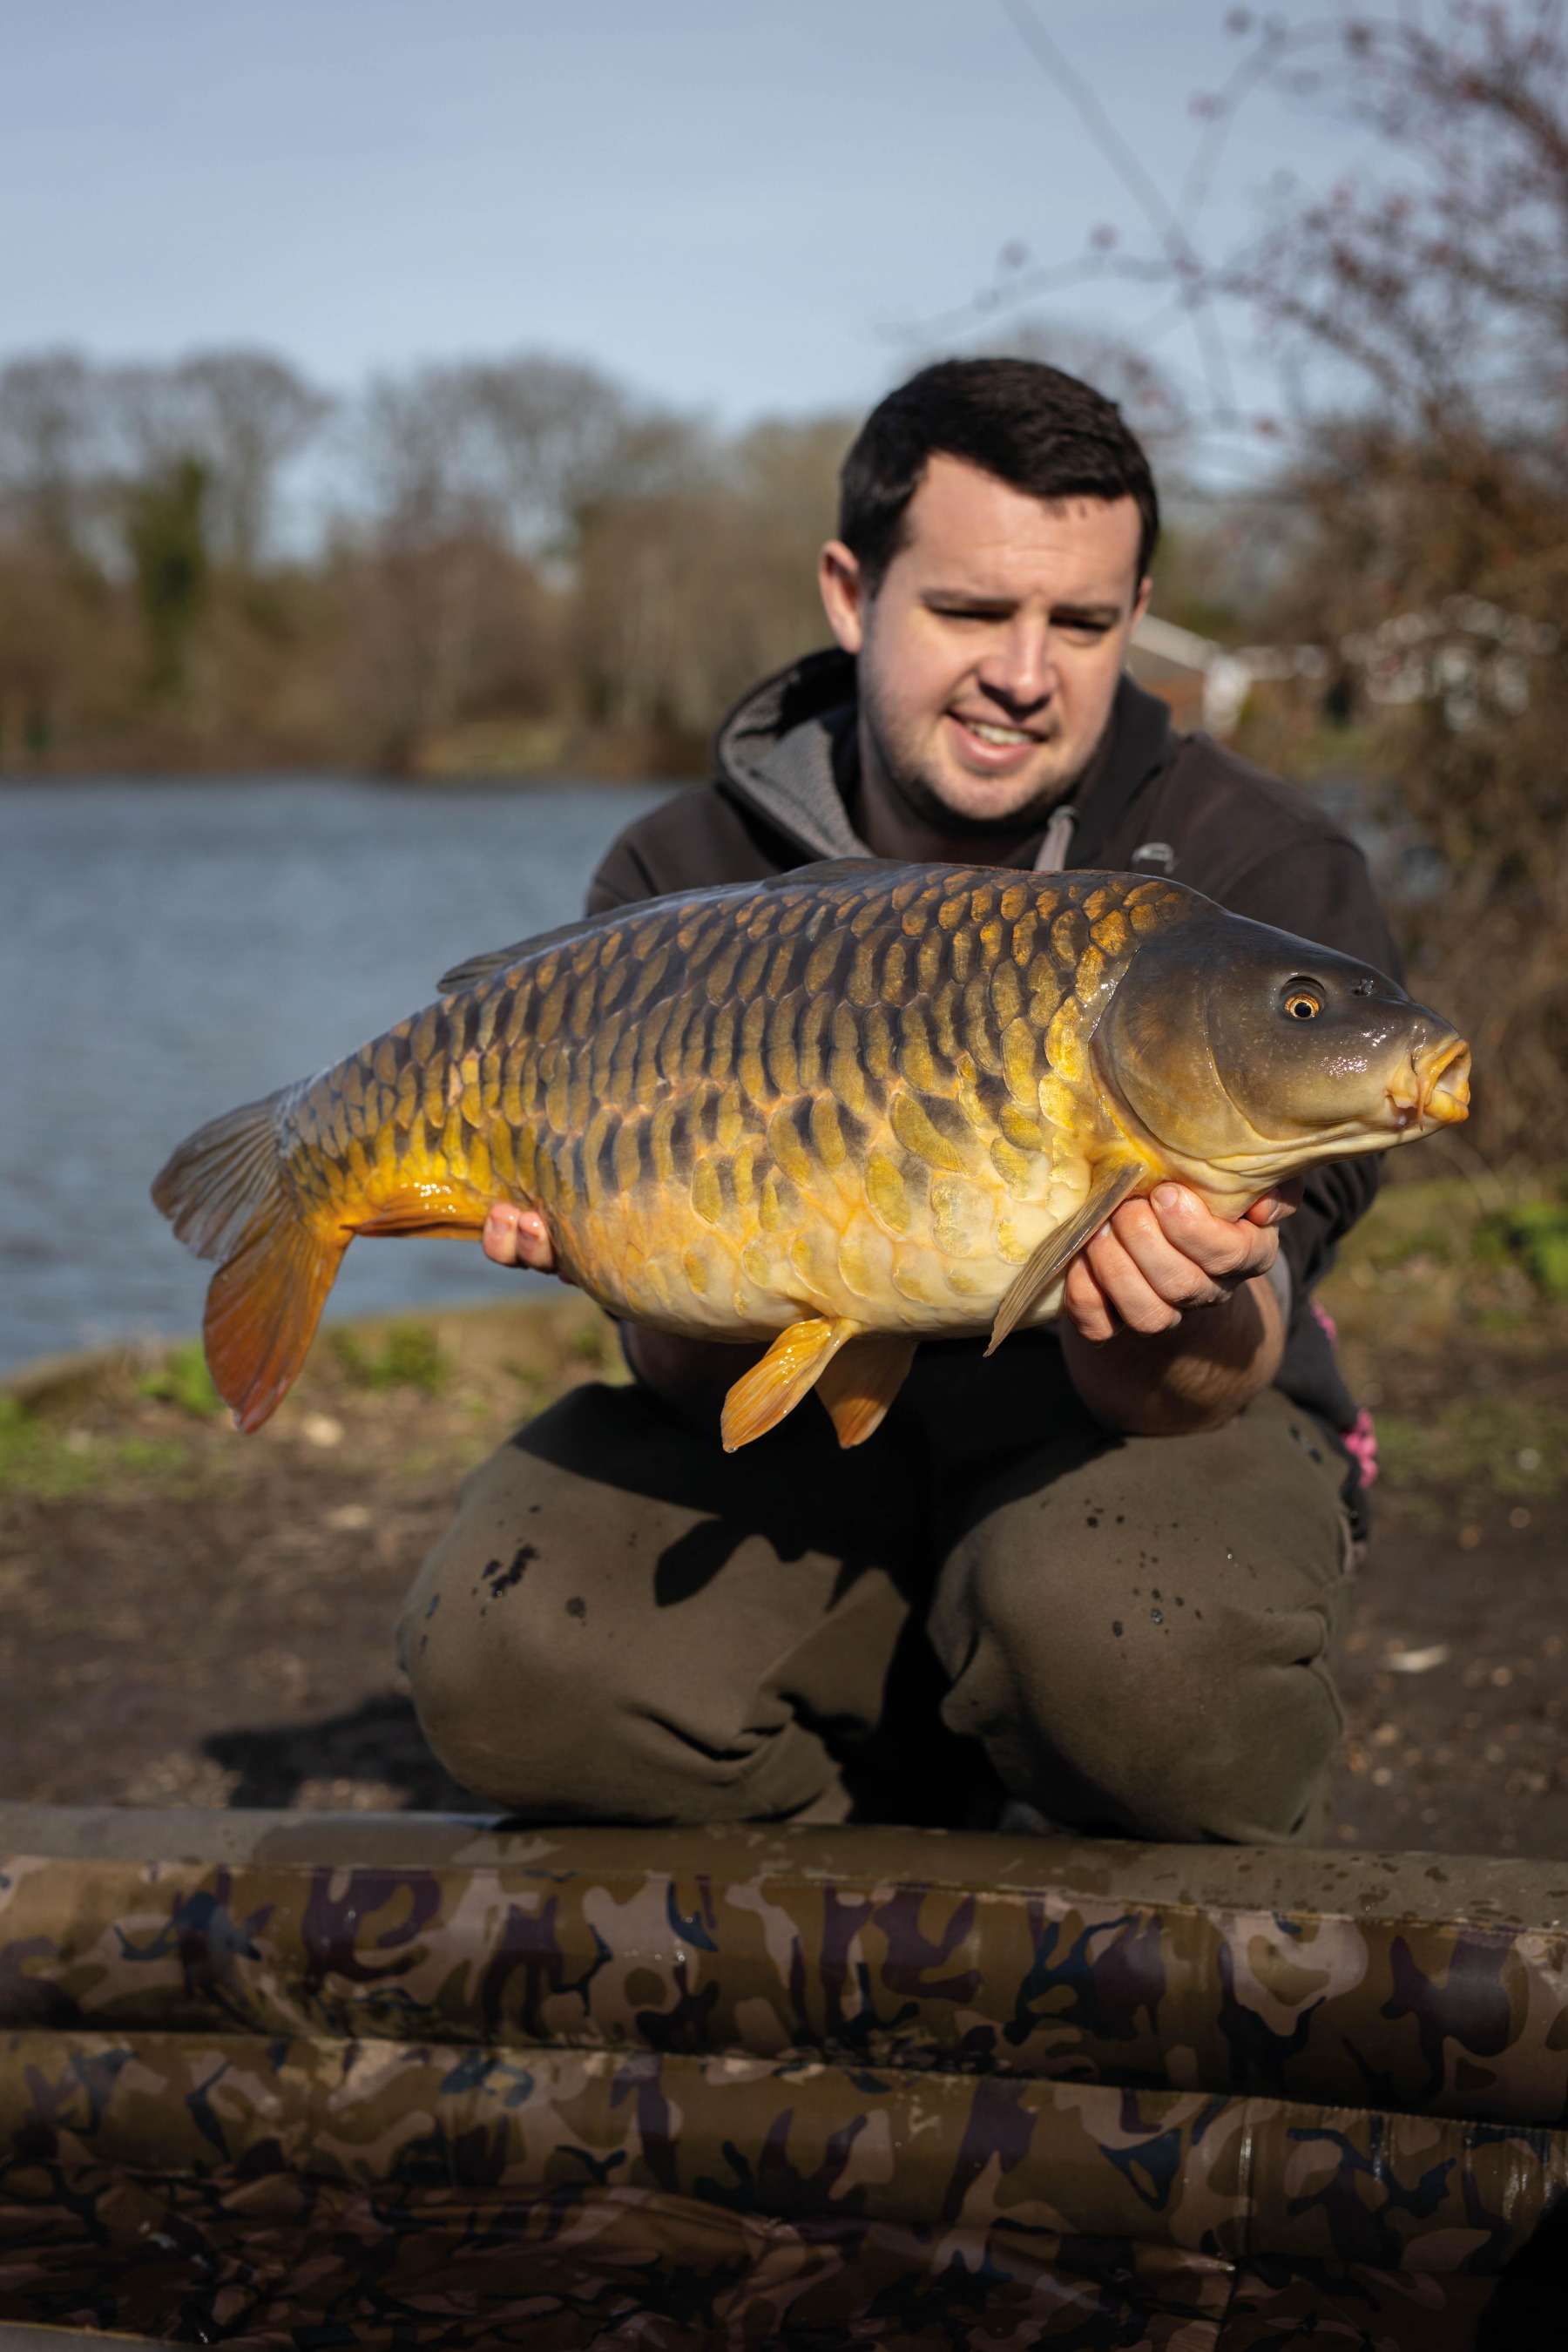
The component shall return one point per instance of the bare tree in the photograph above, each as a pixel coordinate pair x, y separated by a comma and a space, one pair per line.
253, 415
241, 417
1418, 312
556, 439
52, 449
1434, 500
684, 597
530, 444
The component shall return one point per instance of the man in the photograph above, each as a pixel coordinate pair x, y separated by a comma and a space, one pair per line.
1100, 1574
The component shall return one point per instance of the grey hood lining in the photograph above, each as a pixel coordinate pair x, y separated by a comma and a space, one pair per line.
784, 746
780, 749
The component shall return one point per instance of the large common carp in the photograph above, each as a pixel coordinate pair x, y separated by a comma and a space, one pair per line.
855, 1106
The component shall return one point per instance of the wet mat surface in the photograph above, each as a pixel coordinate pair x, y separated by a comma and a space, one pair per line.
428, 2082
276, 2260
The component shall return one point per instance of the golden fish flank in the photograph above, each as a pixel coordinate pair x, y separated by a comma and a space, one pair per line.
859, 1105
843, 1109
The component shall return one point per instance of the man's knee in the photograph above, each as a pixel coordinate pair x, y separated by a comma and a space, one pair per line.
1225, 1735
1140, 1639
517, 1678
624, 1621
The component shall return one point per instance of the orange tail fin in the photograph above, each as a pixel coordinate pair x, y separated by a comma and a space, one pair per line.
223, 1192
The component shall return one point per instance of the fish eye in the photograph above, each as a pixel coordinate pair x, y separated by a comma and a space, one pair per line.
1303, 999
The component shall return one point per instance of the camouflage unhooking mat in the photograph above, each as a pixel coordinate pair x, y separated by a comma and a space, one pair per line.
407, 2081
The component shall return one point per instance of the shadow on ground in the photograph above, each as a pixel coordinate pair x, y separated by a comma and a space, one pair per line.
378, 1747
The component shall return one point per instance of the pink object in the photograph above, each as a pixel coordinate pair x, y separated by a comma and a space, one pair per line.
1360, 1441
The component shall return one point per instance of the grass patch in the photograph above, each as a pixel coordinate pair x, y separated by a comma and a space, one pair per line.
410, 1358
182, 1379
35, 1460
590, 1343
1440, 1244
1497, 1446
48, 1465
1533, 1235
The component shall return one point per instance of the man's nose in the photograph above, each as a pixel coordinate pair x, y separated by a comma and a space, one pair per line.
1019, 668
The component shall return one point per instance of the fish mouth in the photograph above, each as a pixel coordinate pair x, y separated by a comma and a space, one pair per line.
1434, 1090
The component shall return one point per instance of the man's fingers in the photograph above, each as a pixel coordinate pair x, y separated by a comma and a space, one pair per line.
514, 1236
1272, 1208
499, 1239
1223, 1249
1084, 1303
1175, 1273
1135, 1293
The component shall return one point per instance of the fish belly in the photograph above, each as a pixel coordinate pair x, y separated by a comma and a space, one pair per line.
740, 1248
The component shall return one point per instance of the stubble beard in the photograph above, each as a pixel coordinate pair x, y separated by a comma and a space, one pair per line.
915, 788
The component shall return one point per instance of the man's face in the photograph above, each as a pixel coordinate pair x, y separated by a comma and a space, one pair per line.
989, 653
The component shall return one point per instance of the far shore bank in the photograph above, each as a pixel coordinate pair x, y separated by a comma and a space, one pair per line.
220, 779
506, 753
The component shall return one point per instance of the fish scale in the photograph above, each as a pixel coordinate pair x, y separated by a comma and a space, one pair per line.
855, 1105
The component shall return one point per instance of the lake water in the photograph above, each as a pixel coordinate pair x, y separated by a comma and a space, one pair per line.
169, 950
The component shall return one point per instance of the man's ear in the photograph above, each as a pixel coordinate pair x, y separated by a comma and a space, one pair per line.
1140, 603
844, 596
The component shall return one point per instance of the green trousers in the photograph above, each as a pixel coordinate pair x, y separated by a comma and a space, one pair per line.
993, 1593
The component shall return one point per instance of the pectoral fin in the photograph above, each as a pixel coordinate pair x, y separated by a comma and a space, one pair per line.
1111, 1184
762, 1398
861, 1382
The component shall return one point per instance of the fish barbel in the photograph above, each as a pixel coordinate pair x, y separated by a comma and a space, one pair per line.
844, 1110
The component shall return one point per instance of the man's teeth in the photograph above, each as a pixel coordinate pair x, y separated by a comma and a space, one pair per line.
1001, 735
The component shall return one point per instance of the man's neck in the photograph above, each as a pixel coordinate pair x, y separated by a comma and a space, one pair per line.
892, 827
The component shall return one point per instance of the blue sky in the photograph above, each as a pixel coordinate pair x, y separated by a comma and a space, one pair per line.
728, 203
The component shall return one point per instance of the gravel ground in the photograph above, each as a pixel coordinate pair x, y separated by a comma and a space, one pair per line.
187, 1617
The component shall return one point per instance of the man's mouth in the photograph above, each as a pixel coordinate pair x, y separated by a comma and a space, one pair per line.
1001, 736
991, 747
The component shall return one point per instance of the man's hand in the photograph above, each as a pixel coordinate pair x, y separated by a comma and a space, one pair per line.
1170, 1321
1155, 1259
514, 1236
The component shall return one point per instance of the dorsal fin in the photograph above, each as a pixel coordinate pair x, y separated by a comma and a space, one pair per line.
488, 966
475, 967
835, 869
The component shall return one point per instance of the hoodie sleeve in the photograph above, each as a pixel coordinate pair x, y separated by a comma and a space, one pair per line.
697, 838
621, 879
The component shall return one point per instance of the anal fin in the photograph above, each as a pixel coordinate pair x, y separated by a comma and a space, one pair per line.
1110, 1187
771, 1391
861, 1382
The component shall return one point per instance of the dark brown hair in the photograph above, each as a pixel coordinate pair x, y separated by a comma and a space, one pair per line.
1035, 428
